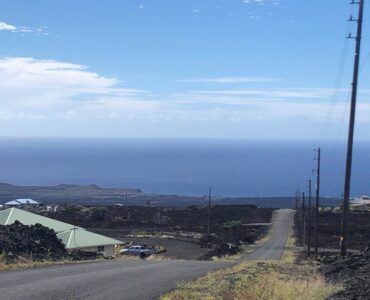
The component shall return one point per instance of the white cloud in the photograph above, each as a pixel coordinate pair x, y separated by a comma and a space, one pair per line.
21, 29
229, 80
62, 98
49, 88
5, 26
280, 93
262, 2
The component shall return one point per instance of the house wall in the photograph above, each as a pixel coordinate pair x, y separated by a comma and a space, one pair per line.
108, 250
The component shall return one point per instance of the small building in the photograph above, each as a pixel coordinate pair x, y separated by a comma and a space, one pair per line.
87, 241
21, 202
360, 204
73, 237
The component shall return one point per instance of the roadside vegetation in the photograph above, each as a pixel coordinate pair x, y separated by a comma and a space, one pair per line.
258, 280
24, 263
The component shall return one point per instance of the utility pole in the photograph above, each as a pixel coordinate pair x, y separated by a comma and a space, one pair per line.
347, 181
303, 220
296, 200
318, 173
209, 210
309, 217
298, 192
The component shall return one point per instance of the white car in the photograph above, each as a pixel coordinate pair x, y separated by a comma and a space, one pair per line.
141, 251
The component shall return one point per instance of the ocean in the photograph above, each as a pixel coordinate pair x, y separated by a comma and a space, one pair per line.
187, 167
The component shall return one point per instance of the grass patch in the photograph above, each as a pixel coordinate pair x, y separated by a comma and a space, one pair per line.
290, 255
29, 264
244, 249
38, 264
257, 280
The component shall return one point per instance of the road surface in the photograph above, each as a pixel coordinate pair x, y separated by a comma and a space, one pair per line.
273, 249
132, 279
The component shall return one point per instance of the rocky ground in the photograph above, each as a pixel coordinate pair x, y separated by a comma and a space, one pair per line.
229, 226
330, 226
353, 272
34, 242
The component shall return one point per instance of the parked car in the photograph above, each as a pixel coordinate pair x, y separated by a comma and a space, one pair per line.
138, 250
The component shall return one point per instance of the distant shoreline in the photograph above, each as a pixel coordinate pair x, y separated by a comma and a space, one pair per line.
96, 195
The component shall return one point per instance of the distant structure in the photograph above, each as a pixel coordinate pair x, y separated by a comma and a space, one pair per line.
51, 208
361, 203
21, 202
73, 237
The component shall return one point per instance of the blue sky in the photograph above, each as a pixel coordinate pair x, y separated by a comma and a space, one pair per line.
266, 69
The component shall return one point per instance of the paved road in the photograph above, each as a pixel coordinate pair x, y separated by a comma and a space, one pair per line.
125, 279
273, 249
106, 280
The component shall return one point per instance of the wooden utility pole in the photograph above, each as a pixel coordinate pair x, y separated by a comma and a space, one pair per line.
347, 181
303, 220
209, 210
309, 217
296, 200
318, 172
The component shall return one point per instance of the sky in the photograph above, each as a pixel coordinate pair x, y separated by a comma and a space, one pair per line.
243, 69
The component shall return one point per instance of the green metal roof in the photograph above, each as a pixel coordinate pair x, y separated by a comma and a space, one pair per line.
4, 214
9, 216
81, 238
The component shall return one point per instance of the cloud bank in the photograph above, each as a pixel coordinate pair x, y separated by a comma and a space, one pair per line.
64, 98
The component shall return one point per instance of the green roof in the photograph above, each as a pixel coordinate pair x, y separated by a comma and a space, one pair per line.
72, 236
81, 238
4, 214
9, 216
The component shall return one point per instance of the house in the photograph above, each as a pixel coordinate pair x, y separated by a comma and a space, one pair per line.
21, 202
79, 238
73, 237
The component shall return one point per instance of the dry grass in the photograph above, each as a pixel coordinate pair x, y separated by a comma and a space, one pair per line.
259, 280
29, 264
33, 264
24, 263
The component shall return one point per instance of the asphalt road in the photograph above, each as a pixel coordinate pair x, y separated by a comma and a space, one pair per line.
132, 279
273, 249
